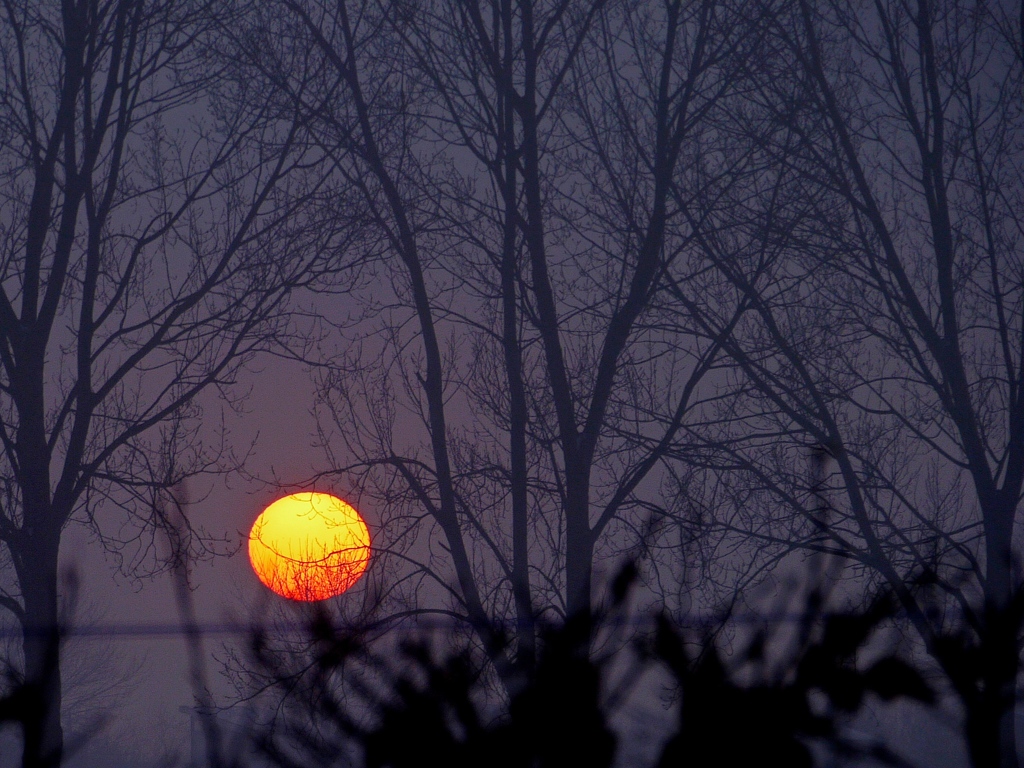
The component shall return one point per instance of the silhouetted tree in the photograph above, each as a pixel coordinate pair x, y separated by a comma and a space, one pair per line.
496, 408
771, 249
143, 260
875, 249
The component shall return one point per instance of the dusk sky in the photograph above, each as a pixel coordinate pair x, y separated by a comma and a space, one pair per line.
145, 656
672, 350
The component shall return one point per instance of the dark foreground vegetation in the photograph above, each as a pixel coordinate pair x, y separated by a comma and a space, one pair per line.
786, 695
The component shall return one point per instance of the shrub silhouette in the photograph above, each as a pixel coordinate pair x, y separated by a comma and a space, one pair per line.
736, 709
556, 720
773, 720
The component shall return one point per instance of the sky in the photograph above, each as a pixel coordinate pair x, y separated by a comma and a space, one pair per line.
139, 679
126, 679
134, 684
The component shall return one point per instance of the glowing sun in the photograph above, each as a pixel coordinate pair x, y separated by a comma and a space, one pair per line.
309, 546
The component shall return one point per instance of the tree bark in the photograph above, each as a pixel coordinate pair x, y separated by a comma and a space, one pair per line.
42, 695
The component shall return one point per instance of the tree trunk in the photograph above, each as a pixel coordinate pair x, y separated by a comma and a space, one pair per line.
40, 717
579, 542
989, 727
990, 731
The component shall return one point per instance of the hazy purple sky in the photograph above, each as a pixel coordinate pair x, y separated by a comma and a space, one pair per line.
149, 671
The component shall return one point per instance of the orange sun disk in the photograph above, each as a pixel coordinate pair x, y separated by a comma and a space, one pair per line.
309, 546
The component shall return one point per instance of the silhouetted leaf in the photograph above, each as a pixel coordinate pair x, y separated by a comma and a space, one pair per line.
891, 678
623, 581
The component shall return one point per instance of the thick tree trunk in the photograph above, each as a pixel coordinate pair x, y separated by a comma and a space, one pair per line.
579, 549
991, 732
40, 717
985, 673
989, 726
35, 553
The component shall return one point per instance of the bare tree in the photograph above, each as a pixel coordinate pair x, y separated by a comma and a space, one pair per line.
503, 405
148, 246
876, 249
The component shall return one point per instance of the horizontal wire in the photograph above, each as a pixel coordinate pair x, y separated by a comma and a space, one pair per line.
160, 630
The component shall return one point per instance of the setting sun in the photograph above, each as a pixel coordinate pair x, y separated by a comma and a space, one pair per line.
309, 546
